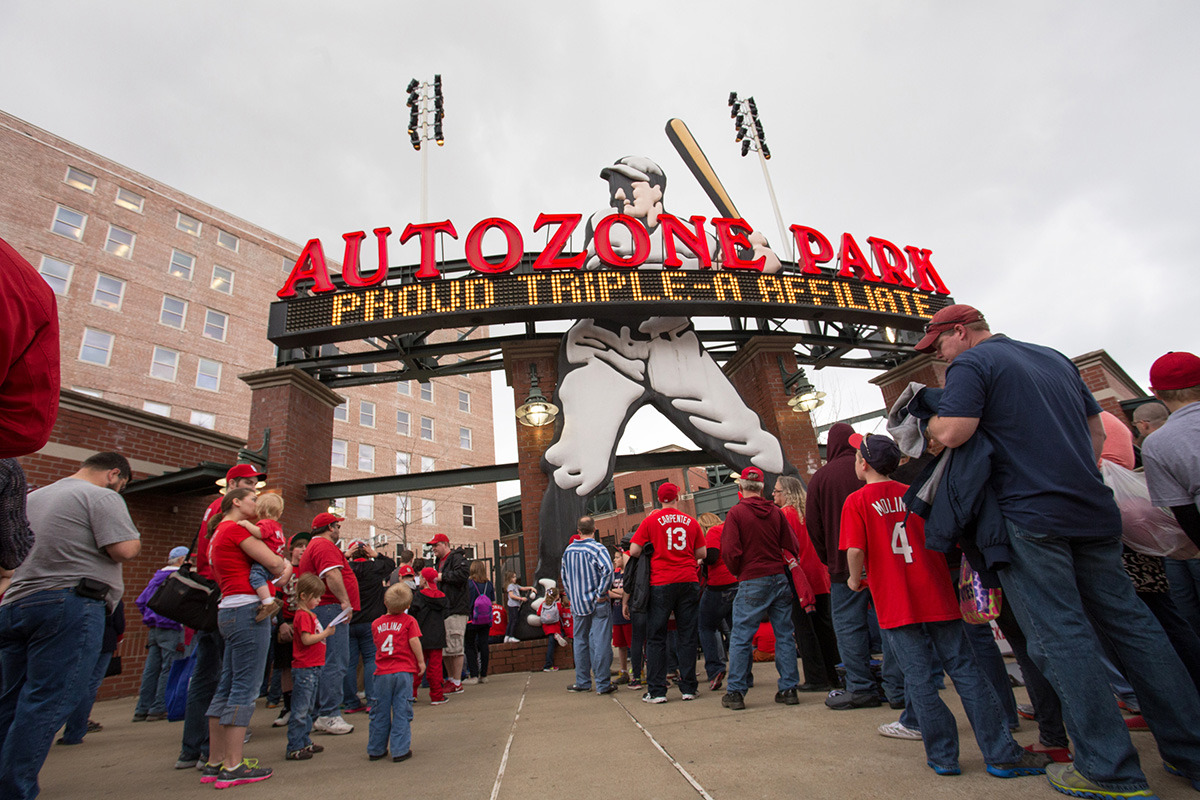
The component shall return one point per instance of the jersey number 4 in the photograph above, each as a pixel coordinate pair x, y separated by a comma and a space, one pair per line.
387, 646
900, 545
677, 538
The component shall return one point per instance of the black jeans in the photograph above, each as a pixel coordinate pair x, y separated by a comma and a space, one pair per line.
684, 600
817, 643
475, 647
637, 643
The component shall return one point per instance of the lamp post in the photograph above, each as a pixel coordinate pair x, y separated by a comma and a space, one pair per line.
425, 124
752, 137
537, 410
803, 396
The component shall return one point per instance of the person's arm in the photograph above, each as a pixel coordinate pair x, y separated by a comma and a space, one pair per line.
309, 639
337, 586
255, 531
635, 549
256, 550
1188, 517
953, 431
124, 551
1096, 427
712, 555
855, 558
700, 552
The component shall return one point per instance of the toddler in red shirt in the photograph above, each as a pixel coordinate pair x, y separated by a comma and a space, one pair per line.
918, 614
268, 529
399, 659
308, 658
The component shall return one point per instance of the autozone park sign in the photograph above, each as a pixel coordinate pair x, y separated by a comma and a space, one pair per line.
902, 290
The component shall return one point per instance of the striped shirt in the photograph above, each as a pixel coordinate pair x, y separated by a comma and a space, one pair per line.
587, 572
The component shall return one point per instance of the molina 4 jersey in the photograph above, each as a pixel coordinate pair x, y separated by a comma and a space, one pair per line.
676, 536
909, 584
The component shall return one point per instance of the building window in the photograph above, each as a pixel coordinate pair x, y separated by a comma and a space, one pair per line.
366, 458
428, 512
130, 200
364, 507
165, 364
222, 280
56, 273
208, 375
633, 500
366, 414
109, 292
464, 401
426, 464
188, 224
161, 409
339, 453
403, 510
181, 265
81, 180
468, 516
215, 324
173, 313
403, 463
204, 419
69, 223
404, 388
97, 347
427, 429
119, 242
227, 240
368, 368
342, 412
427, 391
288, 264
654, 491
464, 438
403, 423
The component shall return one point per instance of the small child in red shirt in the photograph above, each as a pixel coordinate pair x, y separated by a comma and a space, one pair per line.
429, 610
399, 660
270, 509
308, 658
919, 616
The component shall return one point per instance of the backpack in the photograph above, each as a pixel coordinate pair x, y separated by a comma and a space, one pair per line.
481, 609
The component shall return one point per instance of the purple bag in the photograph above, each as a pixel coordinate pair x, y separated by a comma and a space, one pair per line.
979, 605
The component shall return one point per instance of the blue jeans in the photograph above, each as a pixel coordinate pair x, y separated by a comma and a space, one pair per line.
716, 609
305, 681
206, 674
337, 657
851, 612
162, 650
915, 648
246, 646
768, 597
360, 643
48, 646
1184, 577
684, 600
593, 647
391, 715
991, 666
1049, 583
77, 720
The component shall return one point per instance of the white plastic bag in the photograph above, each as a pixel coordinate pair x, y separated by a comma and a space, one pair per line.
1144, 527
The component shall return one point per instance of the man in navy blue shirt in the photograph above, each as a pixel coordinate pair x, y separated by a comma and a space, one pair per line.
1064, 533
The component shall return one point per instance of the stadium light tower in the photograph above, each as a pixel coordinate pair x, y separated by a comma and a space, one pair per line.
749, 131
425, 113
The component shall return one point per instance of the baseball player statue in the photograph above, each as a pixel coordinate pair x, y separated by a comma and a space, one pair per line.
609, 368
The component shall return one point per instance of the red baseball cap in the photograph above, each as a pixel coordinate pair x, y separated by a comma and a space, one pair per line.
1175, 370
405, 570
945, 320
429, 574
240, 471
440, 537
325, 518
668, 492
753, 474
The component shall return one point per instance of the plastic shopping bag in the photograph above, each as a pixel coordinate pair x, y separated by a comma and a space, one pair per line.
978, 604
1145, 528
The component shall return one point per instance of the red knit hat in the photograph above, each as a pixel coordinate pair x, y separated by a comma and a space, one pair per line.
1175, 371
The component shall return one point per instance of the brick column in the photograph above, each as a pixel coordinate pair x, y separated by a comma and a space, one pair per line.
298, 410
923, 368
531, 442
754, 372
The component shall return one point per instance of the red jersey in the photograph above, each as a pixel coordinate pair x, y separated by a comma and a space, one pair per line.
393, 634
718, 573
676, 536
319, 557
306, 655
229, 563
909, 584
272, 535
203, 567
810, 562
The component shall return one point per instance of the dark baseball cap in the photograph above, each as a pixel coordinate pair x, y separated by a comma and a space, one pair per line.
880, 452
946, 319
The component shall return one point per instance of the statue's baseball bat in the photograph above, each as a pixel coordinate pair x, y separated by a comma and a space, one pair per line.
697, 162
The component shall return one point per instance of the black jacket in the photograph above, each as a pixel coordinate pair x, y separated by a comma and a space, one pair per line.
637, 580
372, 574
429, 610
456, 572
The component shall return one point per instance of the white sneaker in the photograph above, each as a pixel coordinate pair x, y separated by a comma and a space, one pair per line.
282, 720
649, 698
471, 681
335, 725
509, 639
562, 642
688, 696
897, 730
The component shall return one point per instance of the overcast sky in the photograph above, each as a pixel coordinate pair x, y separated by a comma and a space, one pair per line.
1046, 152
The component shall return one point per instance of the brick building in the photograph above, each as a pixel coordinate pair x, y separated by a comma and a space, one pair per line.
163, 303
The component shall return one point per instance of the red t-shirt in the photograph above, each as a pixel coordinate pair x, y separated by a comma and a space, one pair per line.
322, 555
393, 634
810, 562
229, 563
718, 574
675, 535
202, 565
306, 655
272, 535
909, 584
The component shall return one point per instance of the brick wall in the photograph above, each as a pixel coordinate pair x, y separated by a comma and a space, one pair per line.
527, 657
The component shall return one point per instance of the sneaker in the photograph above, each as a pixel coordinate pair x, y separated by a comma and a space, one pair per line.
454, 687
273, 703
402, 757
63, 740
246, 772
510, 639
471, 681
562, 642
1174, 770
1029, 763
688, 696
1068, 780
96, 727
1136, 723
139, 718
734, 700
315, 748
955, 770
635, 684
1060, 754
156, 717
483, 678
897, 705
842, 700
335, 725
373, 757
612, 687
787, 697
649, 698
897, 730
1025, 710
356, 710
550, 668
715, 684
576, 688
282, 720
622, 679
187, 763
303, 754
209, 772
441, 702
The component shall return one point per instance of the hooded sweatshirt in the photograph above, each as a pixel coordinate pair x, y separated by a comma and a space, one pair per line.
754, 538
827, 493
429, 610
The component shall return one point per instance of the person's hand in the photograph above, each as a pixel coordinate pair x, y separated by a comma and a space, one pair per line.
370, 551
347, 607
855, 583
285, 632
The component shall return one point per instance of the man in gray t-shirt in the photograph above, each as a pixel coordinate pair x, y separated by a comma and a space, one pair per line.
52, 616
1171, 454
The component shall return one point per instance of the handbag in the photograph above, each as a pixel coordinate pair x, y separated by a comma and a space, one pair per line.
177, 687
188, 597
801, 588
978, 604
